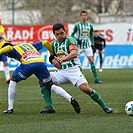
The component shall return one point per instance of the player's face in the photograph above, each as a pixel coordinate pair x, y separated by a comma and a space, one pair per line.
96, 34
83, 17
60, 35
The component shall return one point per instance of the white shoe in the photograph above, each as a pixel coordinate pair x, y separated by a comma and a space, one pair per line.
100, 70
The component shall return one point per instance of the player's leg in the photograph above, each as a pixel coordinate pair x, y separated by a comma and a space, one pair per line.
100, 56
11, 95
46, 85
83, 85
5, 68
93, 68
45, 82
89, 54
46, 93
20, 73
58, 78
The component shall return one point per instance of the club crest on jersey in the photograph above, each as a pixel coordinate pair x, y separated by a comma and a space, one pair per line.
85, 31
61, 53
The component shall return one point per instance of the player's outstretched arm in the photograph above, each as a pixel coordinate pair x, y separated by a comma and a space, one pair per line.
6, 49
47, 44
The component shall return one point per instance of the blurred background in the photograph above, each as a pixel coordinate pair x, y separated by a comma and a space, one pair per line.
32, 21
32, 12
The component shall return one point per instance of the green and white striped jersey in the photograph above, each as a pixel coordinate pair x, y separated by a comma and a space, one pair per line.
61, 49
84, 33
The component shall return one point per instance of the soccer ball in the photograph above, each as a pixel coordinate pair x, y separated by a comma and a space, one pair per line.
129, 108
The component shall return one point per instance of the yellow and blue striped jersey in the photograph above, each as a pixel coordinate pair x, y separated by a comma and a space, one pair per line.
25, 53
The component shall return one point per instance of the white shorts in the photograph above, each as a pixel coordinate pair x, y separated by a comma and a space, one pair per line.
88, 51
71, 74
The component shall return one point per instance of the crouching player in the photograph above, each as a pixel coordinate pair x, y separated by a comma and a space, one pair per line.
31, 60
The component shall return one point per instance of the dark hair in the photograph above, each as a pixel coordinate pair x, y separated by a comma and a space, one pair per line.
6, 44
95, 30
83, 12
58, 26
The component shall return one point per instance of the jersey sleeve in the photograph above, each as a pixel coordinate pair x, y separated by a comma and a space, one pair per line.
48, 45
91, 34
74, 31
44, 43
6, 49
38, 45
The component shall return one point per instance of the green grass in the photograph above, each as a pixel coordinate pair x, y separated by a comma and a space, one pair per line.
116, 91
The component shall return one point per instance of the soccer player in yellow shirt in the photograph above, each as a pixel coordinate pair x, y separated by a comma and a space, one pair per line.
32, 63
3, 58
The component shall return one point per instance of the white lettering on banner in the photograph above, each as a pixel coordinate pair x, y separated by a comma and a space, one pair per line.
110, 61
27, 34
18, 34
118, 60
46, 33
85, 63
9, 33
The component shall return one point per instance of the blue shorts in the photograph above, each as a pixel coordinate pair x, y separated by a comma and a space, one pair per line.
40, 70
3, 58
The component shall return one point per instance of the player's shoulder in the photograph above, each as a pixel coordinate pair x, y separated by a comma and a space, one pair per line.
70, 38
89, 23
77, 23
54, 42
101, 36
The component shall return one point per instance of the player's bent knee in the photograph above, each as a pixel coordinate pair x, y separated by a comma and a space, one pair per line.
80, 82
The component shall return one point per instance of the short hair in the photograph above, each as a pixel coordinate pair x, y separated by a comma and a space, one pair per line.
58, 26
95, 30
83, 12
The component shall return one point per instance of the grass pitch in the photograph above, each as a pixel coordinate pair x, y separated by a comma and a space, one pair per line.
116, 91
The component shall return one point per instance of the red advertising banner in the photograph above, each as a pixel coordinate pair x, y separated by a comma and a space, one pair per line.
19, 34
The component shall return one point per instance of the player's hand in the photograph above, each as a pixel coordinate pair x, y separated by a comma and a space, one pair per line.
60, 59
56, 63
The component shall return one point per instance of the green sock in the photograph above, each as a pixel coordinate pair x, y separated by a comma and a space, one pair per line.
96, 97
93, 68
46, 95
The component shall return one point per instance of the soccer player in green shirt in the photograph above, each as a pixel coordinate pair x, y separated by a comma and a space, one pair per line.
84, 35
67, 61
